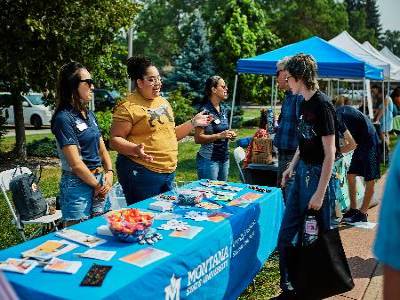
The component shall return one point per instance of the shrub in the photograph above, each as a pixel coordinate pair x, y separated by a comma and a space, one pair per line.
252, 122
104, 120
45, 147
181, 106
237, 115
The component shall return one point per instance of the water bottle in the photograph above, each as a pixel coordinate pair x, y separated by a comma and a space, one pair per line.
310, 232
270, 121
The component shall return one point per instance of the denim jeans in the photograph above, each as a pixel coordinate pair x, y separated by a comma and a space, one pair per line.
77, 198
284, 160
139, 183
304, 186
210, 169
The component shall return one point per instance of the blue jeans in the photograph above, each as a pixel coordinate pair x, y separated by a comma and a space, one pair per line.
77, 198
210, 169
304, 186
139, 183
284, 160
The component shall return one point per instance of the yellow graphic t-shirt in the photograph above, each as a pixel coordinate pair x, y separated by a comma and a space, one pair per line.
153, 125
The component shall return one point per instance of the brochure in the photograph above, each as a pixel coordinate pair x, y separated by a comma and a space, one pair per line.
188, 233
97, 254
144, 257
62, 266
49, 249
22, 266
80, 237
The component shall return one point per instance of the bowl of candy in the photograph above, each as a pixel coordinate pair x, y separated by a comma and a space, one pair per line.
129, 224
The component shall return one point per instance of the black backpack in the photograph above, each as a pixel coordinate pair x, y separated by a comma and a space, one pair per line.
28, 199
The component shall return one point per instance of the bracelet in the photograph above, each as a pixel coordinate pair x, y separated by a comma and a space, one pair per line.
110, 170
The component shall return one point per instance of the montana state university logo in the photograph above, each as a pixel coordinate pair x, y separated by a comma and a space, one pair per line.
172, 291
155, 114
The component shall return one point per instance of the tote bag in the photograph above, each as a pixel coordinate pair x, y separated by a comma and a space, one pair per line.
321, 269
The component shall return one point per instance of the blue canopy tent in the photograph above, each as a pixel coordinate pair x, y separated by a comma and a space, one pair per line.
332, 62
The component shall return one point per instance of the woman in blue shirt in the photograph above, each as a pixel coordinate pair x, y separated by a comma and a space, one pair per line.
83, 155
213, 157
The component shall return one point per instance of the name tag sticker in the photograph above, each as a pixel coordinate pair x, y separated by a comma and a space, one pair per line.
81, 126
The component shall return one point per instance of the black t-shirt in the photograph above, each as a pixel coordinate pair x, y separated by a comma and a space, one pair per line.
317, 119
359, 125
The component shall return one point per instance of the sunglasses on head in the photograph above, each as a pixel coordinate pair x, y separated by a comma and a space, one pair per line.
89, 81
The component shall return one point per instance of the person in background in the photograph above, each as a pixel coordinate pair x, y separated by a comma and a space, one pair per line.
395, 95
387, 243
384, 115
87, 173
286, 140
365, 159
213, 156
314, 185
144, 134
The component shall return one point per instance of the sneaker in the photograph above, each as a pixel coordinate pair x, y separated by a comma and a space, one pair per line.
357, 217
351, 212
287, 295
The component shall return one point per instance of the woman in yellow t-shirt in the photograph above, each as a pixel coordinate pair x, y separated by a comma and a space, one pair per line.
144, 134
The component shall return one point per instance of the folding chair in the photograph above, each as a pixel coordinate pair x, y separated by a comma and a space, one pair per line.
44, 221
239, 154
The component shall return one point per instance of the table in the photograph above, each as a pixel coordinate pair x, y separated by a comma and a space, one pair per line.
218, 263
262, 174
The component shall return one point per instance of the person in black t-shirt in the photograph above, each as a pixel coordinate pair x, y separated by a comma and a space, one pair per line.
314, 186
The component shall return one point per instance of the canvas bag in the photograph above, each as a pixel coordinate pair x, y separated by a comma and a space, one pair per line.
321, 269
28, 199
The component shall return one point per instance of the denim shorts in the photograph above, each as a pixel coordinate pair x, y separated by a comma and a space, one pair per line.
76, 198
210, 169
139, 183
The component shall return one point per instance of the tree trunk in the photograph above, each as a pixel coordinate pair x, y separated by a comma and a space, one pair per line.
20, 140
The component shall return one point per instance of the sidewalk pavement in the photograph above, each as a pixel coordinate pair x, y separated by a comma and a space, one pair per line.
358, 243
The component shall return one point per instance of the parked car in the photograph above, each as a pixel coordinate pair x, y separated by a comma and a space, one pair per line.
104, 99
356, 95
35, 112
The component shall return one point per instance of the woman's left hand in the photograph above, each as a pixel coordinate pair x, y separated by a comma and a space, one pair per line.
201, 120
316, 201
108, 182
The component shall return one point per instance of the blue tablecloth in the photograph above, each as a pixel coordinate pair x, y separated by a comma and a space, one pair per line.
218, 263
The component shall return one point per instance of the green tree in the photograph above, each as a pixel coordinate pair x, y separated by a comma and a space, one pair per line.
240, 28
373, 21
297, 20
162, 27
391, 39
194, 64
37, 37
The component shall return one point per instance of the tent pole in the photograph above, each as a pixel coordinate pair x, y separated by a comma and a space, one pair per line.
233, 101
272, 90
363, 98
384, 121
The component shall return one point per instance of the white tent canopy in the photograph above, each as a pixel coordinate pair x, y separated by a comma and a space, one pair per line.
389, 54
394, 66
346, 42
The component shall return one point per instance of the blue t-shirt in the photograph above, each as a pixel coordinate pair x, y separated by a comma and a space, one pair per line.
387, 243
217, 150
71, 128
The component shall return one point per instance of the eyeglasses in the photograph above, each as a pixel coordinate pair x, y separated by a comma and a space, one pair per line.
153, 79
224, 87
89, 81
287, 78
